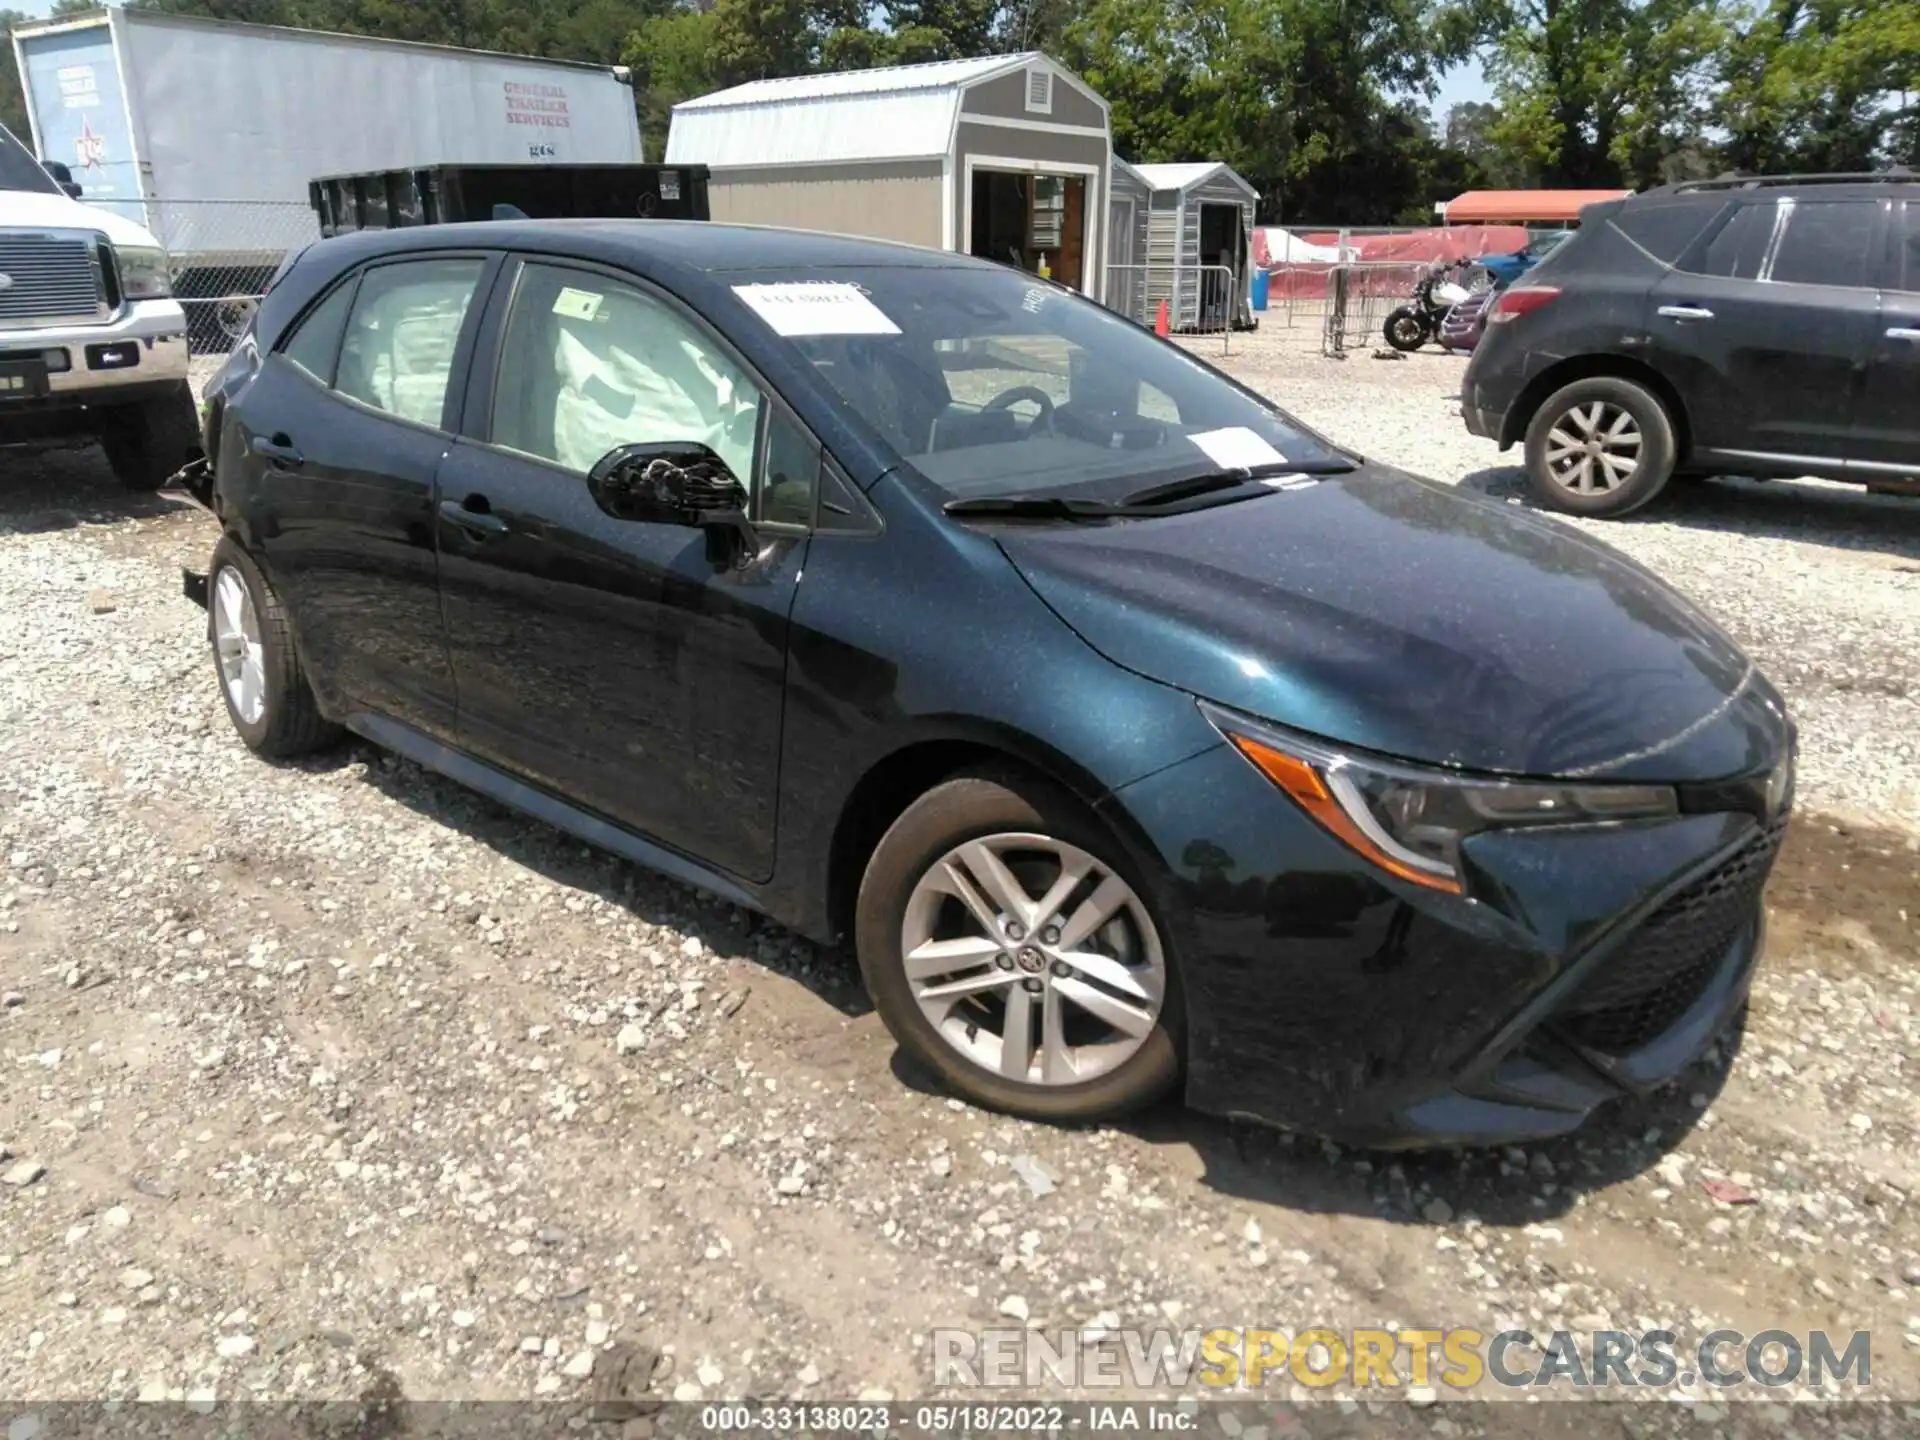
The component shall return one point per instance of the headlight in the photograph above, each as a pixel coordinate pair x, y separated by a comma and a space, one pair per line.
1411, 822
144, 274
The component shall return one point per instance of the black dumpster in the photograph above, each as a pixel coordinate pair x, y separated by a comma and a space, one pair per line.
443, 194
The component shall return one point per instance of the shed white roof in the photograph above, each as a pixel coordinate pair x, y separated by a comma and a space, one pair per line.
898, 112
1189, 173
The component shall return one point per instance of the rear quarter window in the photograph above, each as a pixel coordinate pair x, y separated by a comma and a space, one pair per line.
1664, 231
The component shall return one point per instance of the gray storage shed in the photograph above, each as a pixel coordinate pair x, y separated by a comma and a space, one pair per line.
1004, 157
1201, 217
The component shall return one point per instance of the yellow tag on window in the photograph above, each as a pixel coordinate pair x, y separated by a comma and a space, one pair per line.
577, 304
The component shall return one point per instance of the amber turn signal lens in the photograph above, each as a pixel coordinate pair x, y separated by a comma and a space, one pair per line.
1305, 787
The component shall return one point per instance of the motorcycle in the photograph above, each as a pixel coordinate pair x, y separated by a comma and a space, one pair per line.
1435, 294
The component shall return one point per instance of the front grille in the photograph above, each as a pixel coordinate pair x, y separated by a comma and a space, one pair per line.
1640, 992
51, 278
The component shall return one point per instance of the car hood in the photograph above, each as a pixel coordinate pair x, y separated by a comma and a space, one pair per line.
27, 210
1405, 617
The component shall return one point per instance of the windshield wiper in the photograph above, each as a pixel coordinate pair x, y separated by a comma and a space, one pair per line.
1174, 491
1037, 507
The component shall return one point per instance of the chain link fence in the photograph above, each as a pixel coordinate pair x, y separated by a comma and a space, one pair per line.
222, 254
1199, 299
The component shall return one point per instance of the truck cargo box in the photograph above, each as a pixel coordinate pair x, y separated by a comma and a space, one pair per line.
445, 194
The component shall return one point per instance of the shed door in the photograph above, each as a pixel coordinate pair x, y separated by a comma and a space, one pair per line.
1124, 275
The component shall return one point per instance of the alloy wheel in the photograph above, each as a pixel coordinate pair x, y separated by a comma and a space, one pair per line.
1033, 959
1594, 448
236, 643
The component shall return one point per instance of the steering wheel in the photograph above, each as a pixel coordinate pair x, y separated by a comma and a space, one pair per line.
1007, 398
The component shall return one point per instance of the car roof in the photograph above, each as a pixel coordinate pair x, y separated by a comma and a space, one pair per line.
693, 245
1838, 187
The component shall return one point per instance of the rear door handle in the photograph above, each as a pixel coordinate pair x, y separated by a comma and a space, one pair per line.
1686, 312
472, 516
1904, 332
278, 451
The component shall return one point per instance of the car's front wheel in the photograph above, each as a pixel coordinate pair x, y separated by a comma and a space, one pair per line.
1601, 447
266, 690
1011, 951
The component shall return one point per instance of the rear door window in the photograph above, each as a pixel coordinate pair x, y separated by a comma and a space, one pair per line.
1738, 250
1906, 250
1791, 241
1823, 242
405, 331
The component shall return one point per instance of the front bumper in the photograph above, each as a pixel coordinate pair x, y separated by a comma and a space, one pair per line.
144, 346
1590, 964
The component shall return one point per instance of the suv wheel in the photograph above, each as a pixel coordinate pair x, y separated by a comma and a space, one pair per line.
266, 690
1602, 447
1010, 951
147, 444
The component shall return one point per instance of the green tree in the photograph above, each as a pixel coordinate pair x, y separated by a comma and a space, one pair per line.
1821, 85
1297, 95
13, 103
1599, 92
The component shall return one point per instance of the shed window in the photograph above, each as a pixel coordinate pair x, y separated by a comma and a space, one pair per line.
1040, 91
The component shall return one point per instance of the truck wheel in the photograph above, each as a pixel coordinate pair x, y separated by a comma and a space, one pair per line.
1011, 951
1601, 447
261, 678
146, 444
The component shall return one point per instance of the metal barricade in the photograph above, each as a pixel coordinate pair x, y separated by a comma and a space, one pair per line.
1359, 297
1199, 299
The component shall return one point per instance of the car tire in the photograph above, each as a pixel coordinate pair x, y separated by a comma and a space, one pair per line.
1626, 421
1406, 329
148, 443
1113, 1066
258, 665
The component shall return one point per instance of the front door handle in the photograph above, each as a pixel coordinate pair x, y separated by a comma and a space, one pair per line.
473, 516
279, 451
1904, 332
1686, 312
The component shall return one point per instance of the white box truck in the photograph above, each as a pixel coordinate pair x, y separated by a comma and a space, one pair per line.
207, 132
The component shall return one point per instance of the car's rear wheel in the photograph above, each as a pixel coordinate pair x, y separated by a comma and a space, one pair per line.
1011, 951
1602, 447
266, 690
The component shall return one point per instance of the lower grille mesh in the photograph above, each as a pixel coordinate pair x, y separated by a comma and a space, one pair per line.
1664, 968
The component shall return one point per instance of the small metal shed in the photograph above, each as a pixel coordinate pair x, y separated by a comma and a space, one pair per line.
1131, 197
1201, 218
1005, 157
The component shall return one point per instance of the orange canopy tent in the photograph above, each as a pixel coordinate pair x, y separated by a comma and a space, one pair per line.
1508, 207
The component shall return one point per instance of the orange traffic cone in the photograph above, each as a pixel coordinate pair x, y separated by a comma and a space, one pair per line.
1160, 325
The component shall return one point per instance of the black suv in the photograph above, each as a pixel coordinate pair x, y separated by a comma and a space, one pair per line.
1754, 326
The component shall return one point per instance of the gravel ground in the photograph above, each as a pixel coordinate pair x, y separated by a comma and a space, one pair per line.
331, 1080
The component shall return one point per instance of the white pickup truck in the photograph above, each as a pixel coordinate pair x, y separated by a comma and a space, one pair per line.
92, 342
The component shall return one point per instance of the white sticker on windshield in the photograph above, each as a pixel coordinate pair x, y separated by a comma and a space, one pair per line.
825, 307
576, 304
1236, 448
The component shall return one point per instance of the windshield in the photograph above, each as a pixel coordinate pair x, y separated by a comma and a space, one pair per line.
19, 170
989, 382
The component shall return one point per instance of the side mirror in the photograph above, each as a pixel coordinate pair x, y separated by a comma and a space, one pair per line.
62, 176
675, 483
